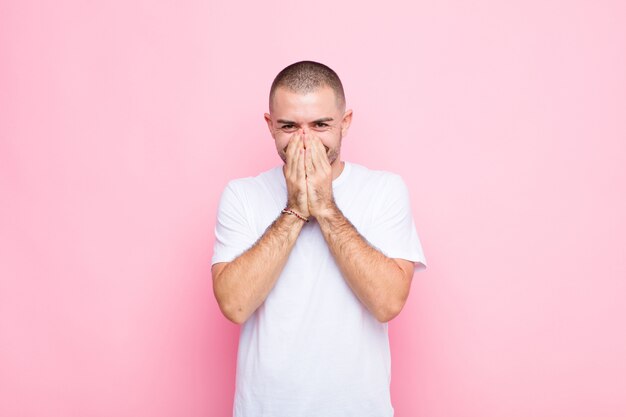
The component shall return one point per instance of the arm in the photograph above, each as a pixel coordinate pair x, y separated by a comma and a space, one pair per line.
241, 286
381, 283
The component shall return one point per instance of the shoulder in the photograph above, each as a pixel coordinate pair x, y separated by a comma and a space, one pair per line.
383, 180
262, 180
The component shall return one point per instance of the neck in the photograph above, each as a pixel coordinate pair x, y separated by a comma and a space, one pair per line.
337, 168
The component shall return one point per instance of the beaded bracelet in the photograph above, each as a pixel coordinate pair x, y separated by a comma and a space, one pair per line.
289, 211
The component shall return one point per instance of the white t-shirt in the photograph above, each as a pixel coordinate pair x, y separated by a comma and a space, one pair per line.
312, 349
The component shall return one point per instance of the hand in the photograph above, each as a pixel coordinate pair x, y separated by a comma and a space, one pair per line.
295, 176
319, 177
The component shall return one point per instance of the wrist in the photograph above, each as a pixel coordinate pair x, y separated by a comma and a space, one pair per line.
328, 211
293, 212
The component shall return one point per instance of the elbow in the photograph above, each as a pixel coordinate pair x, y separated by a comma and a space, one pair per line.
236, 317
233, 313
393, 303
389, 310
385, 317
230, 308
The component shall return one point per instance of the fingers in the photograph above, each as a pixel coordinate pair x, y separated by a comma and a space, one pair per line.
318, 155
295, 156
289, 151
301, 171
295, 143
308, 160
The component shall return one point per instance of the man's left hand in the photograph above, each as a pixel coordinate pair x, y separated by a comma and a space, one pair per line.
319, 177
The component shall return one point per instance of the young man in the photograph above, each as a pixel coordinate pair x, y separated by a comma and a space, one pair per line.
313, 258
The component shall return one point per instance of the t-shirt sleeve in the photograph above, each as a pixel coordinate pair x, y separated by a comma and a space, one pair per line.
393, 231
233, 232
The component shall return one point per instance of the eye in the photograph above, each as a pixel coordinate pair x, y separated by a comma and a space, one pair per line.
287, 127
321, 124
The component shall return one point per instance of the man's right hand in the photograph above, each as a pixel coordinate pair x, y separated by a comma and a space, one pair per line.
241, 285
295, 175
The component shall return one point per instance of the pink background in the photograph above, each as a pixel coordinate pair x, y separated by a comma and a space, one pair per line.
121, 121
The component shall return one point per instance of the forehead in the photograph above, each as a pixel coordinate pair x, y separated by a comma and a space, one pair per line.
291, 105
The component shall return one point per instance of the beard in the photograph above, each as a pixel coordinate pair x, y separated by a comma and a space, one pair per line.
333, 154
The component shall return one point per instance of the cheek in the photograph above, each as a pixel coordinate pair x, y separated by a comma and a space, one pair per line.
281, 140
282, 145
329, 140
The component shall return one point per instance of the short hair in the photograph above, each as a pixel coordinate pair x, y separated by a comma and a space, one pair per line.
308, 76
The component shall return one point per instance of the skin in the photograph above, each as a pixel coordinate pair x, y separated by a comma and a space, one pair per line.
307, 130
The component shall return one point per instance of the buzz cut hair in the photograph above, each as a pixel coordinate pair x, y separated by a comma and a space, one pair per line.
307, 76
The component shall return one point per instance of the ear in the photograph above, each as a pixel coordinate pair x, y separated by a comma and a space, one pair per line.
268, 120
345, 122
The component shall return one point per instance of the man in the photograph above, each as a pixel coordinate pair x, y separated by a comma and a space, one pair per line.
313, 258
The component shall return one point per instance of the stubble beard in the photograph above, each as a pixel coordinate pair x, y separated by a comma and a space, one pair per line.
333, 154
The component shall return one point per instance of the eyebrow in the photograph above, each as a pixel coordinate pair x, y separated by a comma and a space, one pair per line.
289, 122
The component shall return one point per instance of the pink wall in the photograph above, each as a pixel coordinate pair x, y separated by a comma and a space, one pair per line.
121, 121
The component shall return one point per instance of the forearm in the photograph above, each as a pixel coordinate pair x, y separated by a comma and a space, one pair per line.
376, 279
243, 284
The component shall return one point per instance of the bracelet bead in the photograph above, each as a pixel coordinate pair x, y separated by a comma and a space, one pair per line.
289, 211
